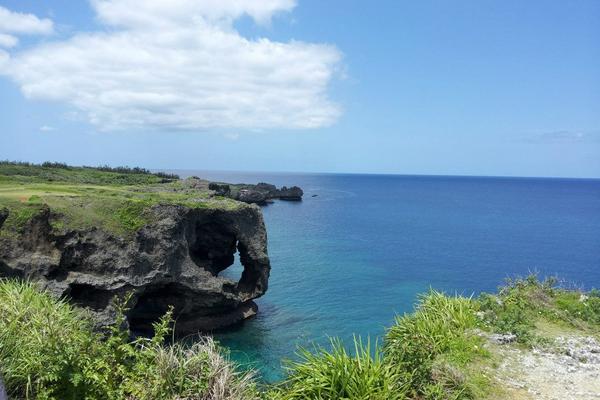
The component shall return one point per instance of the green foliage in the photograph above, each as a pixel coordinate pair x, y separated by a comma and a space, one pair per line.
60, 172
132, 215
579, 306
426, 355
434, 346
524, 301
337, 374
48, 350
19, 216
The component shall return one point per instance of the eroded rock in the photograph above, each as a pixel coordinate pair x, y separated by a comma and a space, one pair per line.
175, 261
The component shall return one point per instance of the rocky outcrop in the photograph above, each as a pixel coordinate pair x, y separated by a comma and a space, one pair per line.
174, 261
294, 193
251, 196
260, 193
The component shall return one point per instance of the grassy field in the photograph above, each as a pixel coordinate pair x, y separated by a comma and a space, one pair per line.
84, 197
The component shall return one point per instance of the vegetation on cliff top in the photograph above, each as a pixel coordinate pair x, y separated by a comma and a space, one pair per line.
48, 350
115, 199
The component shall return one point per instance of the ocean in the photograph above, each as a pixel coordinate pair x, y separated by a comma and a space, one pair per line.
348, 260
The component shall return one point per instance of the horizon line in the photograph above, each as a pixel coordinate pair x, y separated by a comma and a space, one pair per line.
378, 174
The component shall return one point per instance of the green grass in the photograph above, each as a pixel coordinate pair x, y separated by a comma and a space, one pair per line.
82, 197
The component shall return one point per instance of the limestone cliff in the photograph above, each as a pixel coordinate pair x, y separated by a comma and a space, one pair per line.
174, 260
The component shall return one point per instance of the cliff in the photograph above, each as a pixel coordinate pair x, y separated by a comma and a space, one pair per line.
165, 242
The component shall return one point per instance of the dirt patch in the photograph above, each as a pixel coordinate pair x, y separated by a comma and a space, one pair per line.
568, 370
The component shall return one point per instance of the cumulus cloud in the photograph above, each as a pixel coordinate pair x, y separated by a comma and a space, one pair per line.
180, 64
20, 23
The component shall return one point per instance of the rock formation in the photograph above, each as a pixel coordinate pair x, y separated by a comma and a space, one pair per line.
258, 194
294, 193
175, 260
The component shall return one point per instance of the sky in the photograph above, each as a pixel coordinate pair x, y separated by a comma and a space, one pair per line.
509, 88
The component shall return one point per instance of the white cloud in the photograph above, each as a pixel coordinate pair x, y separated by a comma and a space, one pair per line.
8, 40
46, 128
180, 64
162, 13
20, 23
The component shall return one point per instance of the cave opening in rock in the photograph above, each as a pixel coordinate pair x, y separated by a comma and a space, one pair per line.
235, 270
86, 295
151, 305
212, 247
218, 249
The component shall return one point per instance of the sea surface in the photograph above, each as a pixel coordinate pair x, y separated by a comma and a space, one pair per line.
359, 252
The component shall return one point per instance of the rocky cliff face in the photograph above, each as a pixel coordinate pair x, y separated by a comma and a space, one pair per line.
175, 260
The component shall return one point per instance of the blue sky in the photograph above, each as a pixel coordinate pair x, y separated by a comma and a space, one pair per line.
421, 87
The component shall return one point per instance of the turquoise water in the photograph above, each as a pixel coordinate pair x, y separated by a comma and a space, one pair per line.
345, 262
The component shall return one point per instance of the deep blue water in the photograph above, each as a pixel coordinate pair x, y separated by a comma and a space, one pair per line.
345, 262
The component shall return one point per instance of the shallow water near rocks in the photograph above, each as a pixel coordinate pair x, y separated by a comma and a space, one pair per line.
348, 260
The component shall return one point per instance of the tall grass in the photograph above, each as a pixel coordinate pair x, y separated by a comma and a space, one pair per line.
434, 345
339, 374
48, 350
425, 355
